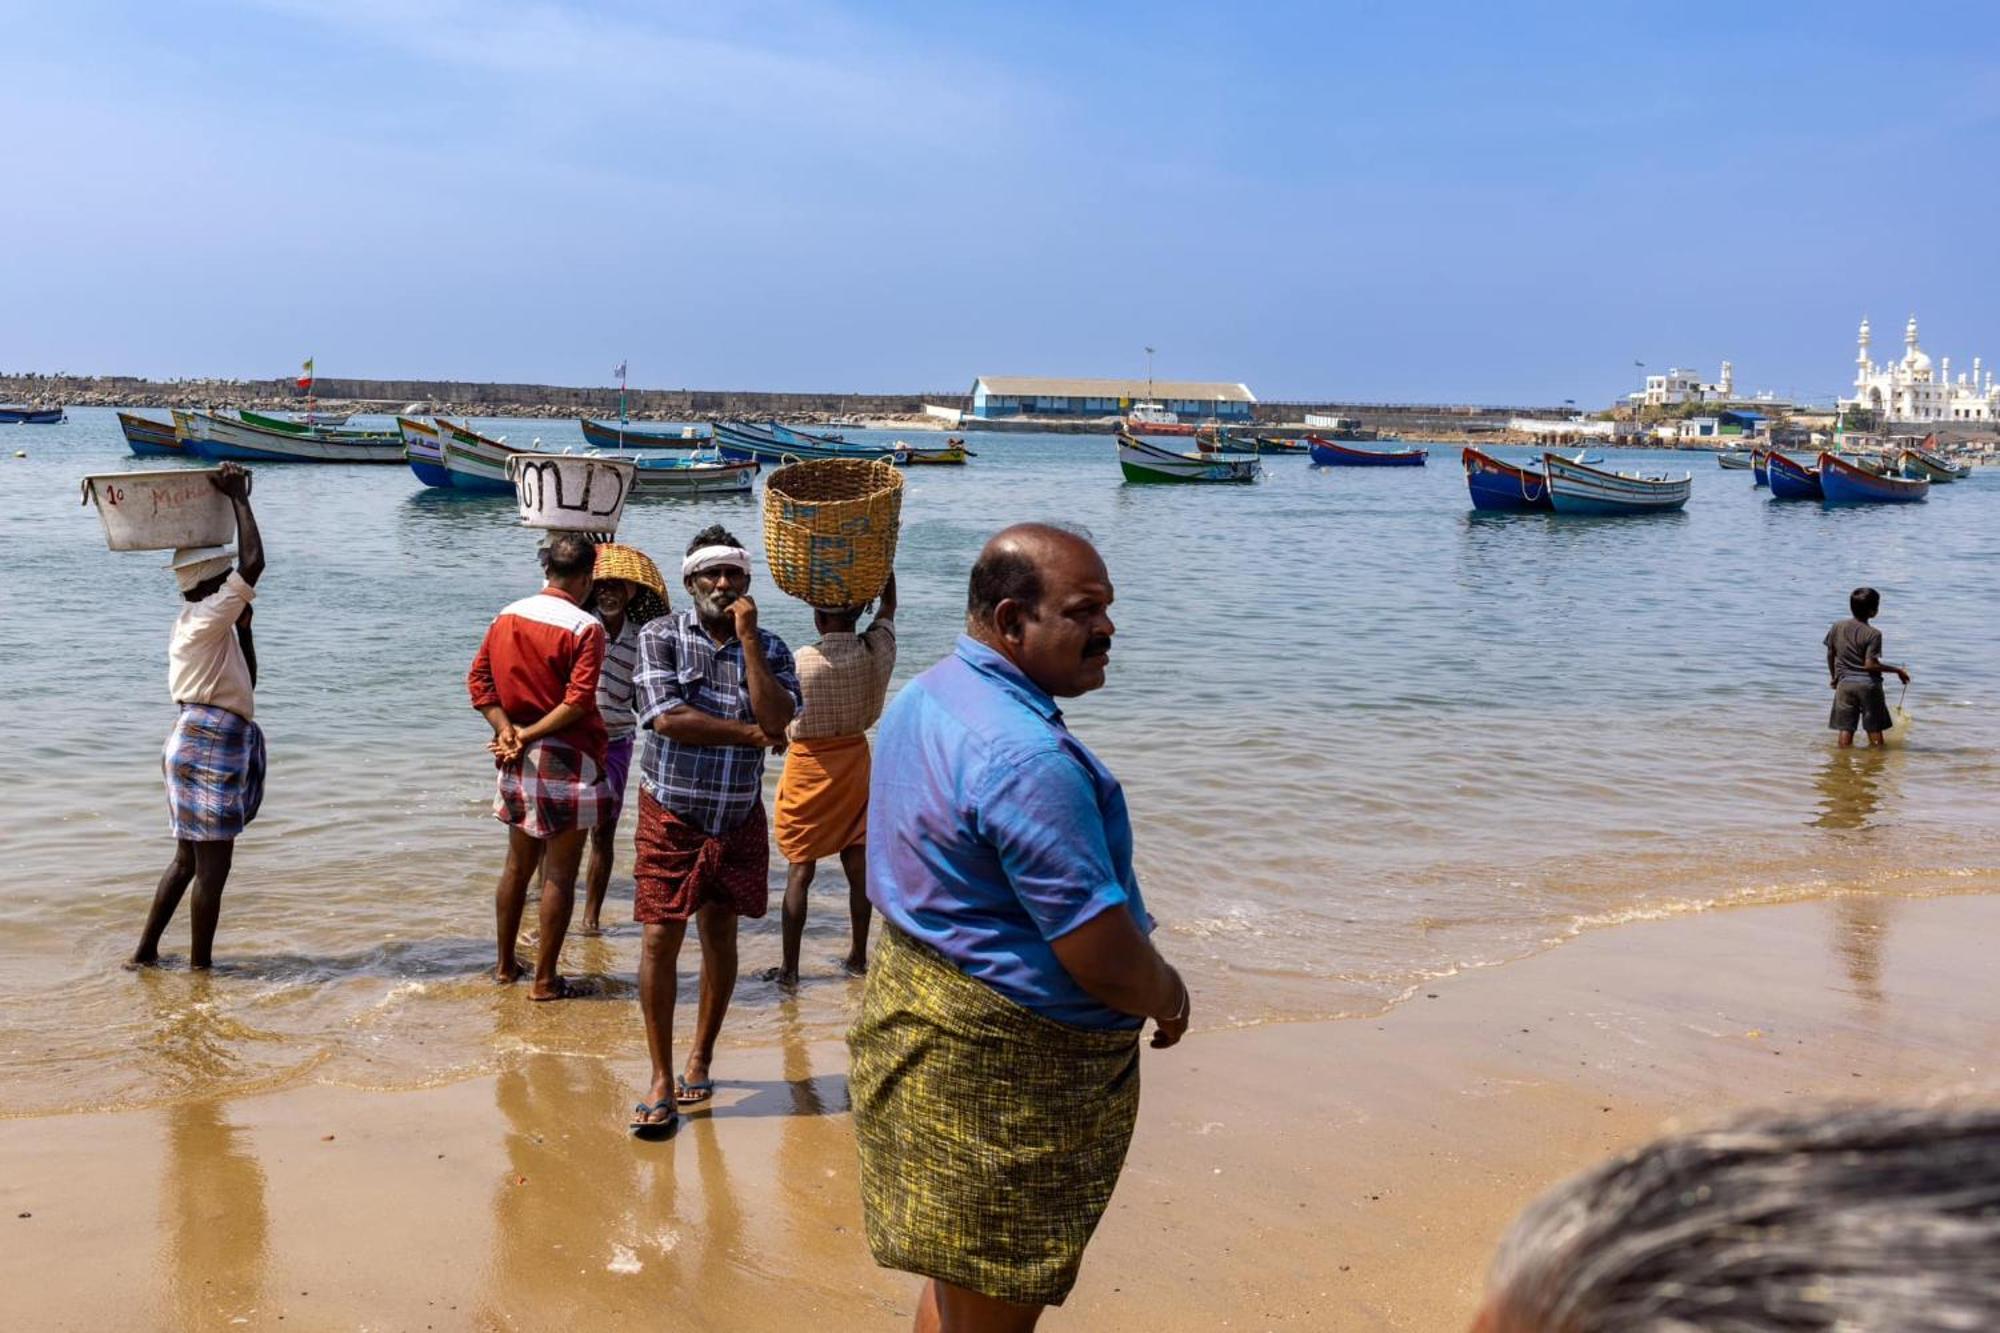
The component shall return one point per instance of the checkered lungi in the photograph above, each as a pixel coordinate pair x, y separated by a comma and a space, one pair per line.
678, 868
214, 765
991, 1136
552, 788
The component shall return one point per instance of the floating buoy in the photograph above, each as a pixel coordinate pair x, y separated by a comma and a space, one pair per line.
20, 453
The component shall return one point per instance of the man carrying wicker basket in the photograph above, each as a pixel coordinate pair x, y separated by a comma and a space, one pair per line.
822, 805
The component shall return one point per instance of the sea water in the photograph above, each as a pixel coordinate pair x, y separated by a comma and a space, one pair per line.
1368, 737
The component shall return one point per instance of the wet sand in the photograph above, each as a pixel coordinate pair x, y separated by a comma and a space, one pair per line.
1344, 1175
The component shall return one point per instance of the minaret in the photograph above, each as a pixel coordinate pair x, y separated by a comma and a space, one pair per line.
1910, 336
1862, 366
1728, 384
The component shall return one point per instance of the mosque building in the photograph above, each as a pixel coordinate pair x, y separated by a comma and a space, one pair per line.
1910, 390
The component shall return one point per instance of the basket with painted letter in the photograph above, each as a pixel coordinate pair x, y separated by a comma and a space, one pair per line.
830, 528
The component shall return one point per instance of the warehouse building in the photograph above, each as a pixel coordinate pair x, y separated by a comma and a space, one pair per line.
995, 396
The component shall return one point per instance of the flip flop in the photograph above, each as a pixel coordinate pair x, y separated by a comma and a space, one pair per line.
645, 1127
691, 1094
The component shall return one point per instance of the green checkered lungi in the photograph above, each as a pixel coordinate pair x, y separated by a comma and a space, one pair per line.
990, 1136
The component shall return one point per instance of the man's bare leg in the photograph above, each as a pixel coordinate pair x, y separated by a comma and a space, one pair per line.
792, 922
510, 898
166, 901
603, 849
559, 861
717, 927
1846, 740
854, 860
1877, 739
211, 873
659, 975
944, 1308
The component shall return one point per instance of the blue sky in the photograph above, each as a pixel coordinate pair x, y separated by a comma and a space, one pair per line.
1444, 202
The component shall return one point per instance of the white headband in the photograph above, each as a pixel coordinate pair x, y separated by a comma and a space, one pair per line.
708, 557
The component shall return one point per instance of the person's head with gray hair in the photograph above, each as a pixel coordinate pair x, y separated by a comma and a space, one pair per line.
1845, 1219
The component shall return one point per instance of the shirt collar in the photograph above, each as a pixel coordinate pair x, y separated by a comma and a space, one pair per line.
1009, 677
550, 590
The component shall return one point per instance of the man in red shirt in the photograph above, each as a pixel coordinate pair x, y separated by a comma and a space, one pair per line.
535, 682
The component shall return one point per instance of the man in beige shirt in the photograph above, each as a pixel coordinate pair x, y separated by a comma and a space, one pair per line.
822, 807
214, 759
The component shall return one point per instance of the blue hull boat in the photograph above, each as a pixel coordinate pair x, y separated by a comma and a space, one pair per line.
738, 441
147, 438
1330, 453
1845, 483
1501, 487
1791, 480
613, 435
1760, 468
14, 414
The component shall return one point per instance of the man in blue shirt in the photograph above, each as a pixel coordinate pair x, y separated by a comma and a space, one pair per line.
995, 1062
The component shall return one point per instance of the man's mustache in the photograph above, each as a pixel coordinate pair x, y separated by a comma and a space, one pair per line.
1098, 646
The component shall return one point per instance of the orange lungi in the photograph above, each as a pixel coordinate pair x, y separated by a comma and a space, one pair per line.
822, 805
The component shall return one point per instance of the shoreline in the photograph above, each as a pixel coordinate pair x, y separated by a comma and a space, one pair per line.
1348, 1173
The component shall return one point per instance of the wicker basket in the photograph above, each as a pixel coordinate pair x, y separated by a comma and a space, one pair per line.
830, 528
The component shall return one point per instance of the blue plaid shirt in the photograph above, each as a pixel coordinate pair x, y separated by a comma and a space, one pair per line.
714, 787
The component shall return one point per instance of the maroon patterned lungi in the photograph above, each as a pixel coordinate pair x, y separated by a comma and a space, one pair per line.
679, 867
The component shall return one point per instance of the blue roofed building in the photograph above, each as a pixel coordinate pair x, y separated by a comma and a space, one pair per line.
999, 396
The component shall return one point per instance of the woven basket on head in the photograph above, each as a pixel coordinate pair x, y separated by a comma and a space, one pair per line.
830, 528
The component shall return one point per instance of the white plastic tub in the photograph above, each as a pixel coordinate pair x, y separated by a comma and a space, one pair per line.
571, 492
157, 511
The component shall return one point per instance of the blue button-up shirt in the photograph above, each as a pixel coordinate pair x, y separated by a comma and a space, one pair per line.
714, 787
992, 830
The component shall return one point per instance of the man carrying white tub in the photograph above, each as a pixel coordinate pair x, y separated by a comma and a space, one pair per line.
214, 759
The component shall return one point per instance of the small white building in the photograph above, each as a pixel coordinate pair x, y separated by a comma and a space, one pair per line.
1911, 390
1679, 386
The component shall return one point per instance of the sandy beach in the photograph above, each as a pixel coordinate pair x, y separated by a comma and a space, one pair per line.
1334, 1175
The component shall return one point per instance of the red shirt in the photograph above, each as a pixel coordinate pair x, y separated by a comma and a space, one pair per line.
539, 652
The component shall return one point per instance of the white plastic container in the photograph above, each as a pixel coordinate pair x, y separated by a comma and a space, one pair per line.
158, 511
571, 492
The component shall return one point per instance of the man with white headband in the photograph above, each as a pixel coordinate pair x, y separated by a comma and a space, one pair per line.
713, 692
214, 759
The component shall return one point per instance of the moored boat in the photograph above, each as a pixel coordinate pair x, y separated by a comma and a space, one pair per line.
319, 427
1791, 479
631, 435
1577, 489
1759, 467
1922, 464
687, 477
313, 420
421, 450
1502, 487
216, 438
20, 414
739, 441
1735, 461
1153, 419
909, 455
1845, 482
1332, 453
148, 438
1143, 462
474, 462
1275, 444
779, 431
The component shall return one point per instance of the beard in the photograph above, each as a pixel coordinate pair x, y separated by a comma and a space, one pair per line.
714, 605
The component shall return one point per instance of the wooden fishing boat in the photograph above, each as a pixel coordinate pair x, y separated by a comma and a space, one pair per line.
474, 462
422, 451
909, 455
20, 414
1844, 482
1332, 453
1734, 461
690, 477
630, 435
1577, 489
216, 438
1791, 479
1143, 462
1759, 467
739, 441
321, 430
1502, 487
1273, 444
1923, 465
148, 438
312, 420
779, 431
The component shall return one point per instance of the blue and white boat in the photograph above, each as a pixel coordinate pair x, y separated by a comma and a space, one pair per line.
1576, 489
1498, 486
1791, 479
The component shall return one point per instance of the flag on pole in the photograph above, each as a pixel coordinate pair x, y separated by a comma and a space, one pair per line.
620, 371
306, 374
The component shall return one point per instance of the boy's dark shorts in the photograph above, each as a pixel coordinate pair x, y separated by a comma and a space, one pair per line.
1860, 705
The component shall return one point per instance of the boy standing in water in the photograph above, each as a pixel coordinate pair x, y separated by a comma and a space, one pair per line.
1854, 666
214, 759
